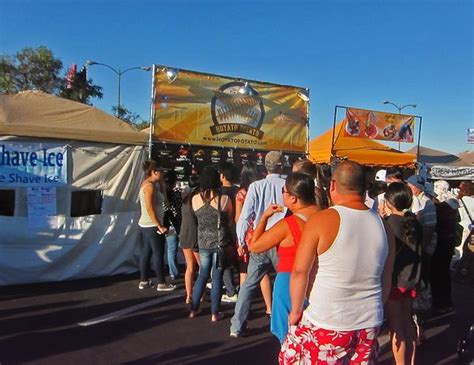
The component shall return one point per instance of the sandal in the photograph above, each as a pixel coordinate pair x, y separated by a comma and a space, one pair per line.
217, 317
188, 300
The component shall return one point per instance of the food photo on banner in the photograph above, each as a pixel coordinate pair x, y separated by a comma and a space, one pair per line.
371, 124
170, 157
201, 109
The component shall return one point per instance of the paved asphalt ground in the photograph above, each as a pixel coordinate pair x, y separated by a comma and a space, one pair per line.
109, 321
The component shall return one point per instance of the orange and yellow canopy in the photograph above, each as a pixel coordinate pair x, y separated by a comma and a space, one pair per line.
362, 150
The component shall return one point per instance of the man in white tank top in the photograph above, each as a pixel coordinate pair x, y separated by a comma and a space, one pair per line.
349, 257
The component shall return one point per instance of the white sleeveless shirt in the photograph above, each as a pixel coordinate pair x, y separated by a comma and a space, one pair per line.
347, 291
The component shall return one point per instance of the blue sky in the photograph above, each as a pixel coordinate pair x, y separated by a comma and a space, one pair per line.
353, 53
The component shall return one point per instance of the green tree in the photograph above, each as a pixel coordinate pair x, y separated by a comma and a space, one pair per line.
130, 117
7, 75
38, 69
30, 69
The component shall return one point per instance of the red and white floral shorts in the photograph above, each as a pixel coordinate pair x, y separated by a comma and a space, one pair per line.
307, 344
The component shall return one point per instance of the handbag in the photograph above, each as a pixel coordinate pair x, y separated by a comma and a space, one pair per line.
458, 233
226, 253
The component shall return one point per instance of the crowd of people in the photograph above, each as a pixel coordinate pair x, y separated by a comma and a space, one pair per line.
347, 254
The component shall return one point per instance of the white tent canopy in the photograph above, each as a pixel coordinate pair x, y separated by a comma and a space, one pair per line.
103, 156
444, 165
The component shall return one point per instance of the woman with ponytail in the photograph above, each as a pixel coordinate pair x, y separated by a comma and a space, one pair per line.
151, 228
406, 271
298, 196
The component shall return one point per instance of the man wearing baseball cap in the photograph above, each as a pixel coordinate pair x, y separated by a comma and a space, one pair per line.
393, 174
261, 194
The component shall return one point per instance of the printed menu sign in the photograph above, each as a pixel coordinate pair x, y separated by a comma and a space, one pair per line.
42, 207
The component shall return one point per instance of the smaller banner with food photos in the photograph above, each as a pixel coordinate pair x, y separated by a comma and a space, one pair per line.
378, 125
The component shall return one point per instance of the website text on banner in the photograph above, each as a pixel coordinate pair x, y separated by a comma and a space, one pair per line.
32, 164
210, 110
378, 125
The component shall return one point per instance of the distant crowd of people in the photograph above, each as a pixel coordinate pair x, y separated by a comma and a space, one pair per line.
346, 255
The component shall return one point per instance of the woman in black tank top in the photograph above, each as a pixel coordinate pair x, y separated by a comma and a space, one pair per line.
213, 212
406, 272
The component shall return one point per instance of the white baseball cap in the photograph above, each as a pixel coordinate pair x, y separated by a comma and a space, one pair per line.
381, 175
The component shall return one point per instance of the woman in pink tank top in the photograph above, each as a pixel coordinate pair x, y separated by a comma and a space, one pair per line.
298, 196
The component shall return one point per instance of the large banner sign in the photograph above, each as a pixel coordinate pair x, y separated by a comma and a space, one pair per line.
378, 125
32, 164
210, 110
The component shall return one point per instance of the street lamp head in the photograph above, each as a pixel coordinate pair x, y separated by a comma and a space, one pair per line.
90, 63
385, 102
145, 68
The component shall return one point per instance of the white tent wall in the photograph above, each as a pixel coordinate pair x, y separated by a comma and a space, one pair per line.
80, 247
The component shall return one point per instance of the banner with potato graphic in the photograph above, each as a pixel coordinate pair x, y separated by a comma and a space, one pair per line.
378, 125
210, 110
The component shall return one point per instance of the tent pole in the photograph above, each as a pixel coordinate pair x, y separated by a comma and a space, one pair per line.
152, 113
419, 140
333, 133
307, 127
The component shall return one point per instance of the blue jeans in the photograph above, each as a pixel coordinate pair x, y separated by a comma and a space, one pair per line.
208, 263
172, 252
259, 264
153, 245
229, 284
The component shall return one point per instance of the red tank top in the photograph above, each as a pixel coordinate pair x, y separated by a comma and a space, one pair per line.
286, 255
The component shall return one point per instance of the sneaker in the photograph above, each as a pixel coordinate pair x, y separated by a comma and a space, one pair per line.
229, 299
145, 284
217, 317
194, 313
209, 285
235, 334
166, 287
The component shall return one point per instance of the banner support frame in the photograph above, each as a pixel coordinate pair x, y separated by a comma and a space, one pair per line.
334, 129
419, 139
307, 126
152, 112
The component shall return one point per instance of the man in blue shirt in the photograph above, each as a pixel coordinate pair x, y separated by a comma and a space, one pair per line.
260, 195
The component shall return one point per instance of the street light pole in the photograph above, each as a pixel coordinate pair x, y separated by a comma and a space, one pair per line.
400, 108
119, 74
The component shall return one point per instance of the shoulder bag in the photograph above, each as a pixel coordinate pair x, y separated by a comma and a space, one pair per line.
226, 253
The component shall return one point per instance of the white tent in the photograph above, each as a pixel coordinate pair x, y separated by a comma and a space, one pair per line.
444, 165
83, 226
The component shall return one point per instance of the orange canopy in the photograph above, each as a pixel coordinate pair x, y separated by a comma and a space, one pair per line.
362, 150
